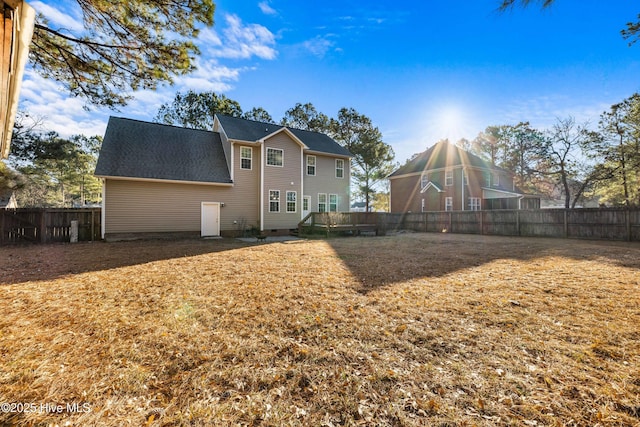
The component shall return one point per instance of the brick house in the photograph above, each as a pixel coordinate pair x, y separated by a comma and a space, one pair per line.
448, 178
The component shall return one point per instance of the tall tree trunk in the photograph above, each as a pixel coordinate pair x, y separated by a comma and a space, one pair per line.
623, 165
565, 184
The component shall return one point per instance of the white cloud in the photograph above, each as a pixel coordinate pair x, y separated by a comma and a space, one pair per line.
62, 113
58, 17
266, 8
318, 46
68, 116
544, 111
240, 41
210, 76
209, 36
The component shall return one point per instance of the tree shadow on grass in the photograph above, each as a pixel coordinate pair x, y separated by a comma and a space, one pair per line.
381, 261
25, 263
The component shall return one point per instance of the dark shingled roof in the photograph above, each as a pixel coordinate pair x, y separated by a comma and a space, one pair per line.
137, 149
442, 155
250, 130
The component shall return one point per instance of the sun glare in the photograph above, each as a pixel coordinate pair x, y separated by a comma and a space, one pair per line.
450, 122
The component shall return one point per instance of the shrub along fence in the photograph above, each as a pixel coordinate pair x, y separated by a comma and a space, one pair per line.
48, 225
598, 223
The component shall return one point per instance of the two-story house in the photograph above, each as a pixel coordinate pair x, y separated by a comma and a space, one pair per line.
244, 174
448, 178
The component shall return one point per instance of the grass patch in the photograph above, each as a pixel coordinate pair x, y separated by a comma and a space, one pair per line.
416, 329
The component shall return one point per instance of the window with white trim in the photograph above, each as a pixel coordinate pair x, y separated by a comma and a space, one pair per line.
305, 203
465, 177
448, 178
474, 203
333, 203
448, 203
487, 179
311, 165
291, 201
339, 168
496, 180
274, 200
275, 157
245, 157
322, 202
423, 206
424, 180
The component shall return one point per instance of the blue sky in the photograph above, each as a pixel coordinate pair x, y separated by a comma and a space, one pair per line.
421, 70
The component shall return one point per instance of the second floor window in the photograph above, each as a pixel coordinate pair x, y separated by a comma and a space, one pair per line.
339, 168
465, 177
245, 157
448, 178
311, 165
448, 203
487, 179
496, 180
275, 156
424, 180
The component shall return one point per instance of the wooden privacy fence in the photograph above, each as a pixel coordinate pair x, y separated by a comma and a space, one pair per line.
599, 223
48, 225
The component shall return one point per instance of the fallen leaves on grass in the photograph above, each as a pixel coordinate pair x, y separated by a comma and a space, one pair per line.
418, 329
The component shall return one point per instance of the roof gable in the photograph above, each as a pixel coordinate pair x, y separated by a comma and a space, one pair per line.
137, 149
287, 132
252, 131
433, 185
440, 156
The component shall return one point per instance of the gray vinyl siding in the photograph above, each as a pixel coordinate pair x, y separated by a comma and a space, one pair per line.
286, 178
245, 205
141, 206
325, 181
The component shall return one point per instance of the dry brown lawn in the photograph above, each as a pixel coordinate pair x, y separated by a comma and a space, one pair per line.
413, 329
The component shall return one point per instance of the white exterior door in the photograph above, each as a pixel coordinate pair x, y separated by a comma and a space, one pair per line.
306, 206
210, 219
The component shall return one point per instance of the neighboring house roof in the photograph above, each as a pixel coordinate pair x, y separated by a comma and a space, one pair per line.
8, 200
249, 130
136, 149
443, 155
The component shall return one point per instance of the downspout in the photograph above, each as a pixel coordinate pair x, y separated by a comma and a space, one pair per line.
462, 189
103, 211
262, 187
301, 198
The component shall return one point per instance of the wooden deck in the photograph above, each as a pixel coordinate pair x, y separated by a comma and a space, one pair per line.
341, 228
334, 222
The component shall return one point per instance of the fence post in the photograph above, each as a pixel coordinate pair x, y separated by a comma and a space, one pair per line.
627, 220
43, 226
518, 222
481, 222
92, 226
73, 232
2, 213
566, 226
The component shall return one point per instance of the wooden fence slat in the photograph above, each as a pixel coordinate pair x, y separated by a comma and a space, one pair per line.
46, 225
596, 223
